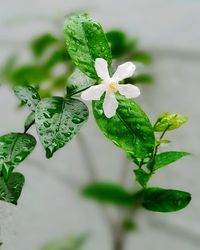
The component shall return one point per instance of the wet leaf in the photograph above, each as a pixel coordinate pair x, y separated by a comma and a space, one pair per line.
28, 96
14, 148
78, 82
169, 121
10, 190
130, 129
166, 158
85, 42
165, 200
107, 192
58, 120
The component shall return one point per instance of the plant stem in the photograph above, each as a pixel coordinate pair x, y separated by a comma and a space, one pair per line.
119, 243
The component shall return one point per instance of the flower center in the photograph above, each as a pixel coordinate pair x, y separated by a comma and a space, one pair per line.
113, 87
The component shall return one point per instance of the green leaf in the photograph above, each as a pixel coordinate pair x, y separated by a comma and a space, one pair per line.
30, 120
58, 120
10, 190
165, 200
67, 243
169, 121
140, 78
78, 82
166, 158
28, 96
130, 129
14, 148
106, 192
85, 42
29, 74
58, 56
120, 43
41, 43
142, 177
162, 141
142, 56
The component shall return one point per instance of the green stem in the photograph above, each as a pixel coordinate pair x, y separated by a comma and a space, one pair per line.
26, 130
152, 159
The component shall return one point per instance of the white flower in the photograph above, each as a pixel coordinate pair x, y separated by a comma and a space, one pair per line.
111, 85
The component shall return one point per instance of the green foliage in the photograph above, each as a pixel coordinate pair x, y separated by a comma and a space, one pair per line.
165, 200
41, 43
120, 43
78, 82
140, 78
124, 47
30, 120
14, 148
28, 96
142, 56
130, 129
107, 192
67, 243
85, 42
57, 56
10, 189
142, 177
58, 120
28, 74
167, 158
169, 121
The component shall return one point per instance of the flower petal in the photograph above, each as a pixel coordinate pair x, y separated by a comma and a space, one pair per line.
129, 90
110, 105
124, 70
93, 93
101, 67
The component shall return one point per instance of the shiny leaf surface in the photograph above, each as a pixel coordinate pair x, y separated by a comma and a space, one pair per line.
169, 121
130, 129
10, 190
165, 158
78, 82
58, 120
28, 96
85, 42
14, 148
165, 200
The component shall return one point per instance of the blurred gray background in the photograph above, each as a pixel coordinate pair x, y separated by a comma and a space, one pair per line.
50, 205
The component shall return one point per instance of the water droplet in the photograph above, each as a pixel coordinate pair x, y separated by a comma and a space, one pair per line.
77, 120
49, 151
47, 124
47, 115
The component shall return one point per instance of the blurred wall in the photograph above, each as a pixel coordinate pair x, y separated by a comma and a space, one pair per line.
50, 205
